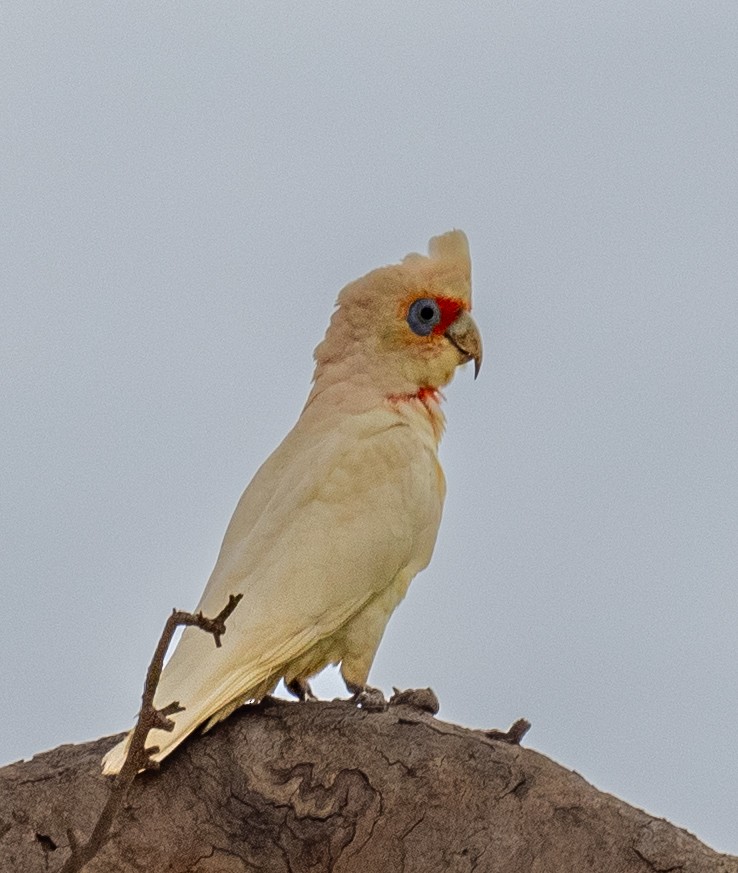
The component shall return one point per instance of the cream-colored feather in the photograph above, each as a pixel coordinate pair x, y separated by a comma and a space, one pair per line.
333, 527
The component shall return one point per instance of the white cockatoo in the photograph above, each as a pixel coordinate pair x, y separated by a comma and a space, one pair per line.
335, 524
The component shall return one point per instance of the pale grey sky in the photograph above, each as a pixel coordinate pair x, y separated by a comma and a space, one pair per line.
185, 188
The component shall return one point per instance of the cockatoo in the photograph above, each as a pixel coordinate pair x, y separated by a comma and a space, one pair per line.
335, 524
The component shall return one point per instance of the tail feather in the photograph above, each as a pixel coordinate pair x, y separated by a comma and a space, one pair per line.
115, 758
167, 741
185, 723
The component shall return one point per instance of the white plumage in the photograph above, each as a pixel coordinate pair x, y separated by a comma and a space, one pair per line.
335, 524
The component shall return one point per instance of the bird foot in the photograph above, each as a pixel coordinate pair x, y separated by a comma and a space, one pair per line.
301, 689
513, 735
418, 698
369, 699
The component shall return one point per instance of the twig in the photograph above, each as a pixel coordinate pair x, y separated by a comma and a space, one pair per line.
138, 756
513, 735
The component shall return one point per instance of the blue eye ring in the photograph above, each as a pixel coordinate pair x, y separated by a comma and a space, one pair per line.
423, 315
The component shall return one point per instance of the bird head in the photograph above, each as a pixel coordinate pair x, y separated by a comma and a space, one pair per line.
404, 327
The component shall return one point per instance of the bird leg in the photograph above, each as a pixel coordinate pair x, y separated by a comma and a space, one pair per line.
366, 697
418, 698
301, 689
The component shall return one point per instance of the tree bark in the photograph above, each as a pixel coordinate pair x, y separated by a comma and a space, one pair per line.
304, 788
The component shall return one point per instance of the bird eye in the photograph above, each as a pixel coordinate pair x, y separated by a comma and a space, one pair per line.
423, 316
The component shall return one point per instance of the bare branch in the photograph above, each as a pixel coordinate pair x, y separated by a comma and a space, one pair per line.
138, 756
325, 786
513, 735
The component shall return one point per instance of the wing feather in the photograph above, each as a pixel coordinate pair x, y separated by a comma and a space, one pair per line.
327, 523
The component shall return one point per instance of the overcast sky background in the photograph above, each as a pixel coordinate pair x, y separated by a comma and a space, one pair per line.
185, 188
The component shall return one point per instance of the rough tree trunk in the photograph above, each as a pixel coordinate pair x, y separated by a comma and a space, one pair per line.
326, 787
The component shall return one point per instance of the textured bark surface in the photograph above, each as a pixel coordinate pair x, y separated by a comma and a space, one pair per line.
326, 787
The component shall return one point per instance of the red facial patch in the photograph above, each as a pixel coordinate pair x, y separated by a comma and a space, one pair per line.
450, 310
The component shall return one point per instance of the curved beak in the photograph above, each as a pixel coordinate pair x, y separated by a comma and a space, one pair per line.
464, 334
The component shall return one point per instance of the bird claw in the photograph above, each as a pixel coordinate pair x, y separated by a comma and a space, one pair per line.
418, 698
370, 699
301, 690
